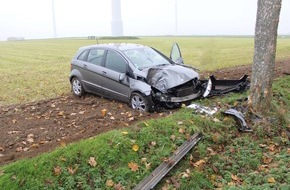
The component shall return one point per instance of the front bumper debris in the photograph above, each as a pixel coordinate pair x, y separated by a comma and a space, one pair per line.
240, 117
214, 87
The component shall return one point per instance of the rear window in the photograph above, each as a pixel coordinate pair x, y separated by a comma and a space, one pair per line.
83, 56
95, 56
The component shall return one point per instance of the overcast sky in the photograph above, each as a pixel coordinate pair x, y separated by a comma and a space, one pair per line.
32, 19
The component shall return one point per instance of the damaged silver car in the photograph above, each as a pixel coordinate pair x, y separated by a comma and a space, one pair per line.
139, 75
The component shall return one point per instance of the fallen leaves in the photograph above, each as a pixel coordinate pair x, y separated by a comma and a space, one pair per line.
153, 143
109, 183
72, 170
92, 162
267, 160
271, 180
61, 113
234, 177
82, 112
211, 151
12, 132
131, 119
146, 124
40, 124
19, 149
118, 187
216, 137
199, 163
272, 148
30, 138
62, 144
57, 170
133, 166
104, 112
135, 147
173, 137
147, 165
216, 120
181, 130
262, 145
185, 174
124, 132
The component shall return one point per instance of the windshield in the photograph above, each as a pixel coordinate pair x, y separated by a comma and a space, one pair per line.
145, 57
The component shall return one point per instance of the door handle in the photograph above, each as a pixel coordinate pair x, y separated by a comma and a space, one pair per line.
85, 66
104, 72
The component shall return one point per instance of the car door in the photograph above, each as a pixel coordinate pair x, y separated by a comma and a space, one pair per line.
115, 81
175, 54
92, 72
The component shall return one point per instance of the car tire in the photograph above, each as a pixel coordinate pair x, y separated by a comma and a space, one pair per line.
77, 87
141, 103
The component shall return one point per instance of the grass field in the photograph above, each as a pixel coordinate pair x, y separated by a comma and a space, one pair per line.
38, 69
224, 159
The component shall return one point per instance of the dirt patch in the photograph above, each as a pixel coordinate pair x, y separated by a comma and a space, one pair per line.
27, 130
30, 129
281, 68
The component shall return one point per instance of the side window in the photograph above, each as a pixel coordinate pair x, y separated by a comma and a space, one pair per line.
115, 62
95, 56
83, 56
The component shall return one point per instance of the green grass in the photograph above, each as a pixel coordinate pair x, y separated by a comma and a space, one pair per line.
230, 159
38, 69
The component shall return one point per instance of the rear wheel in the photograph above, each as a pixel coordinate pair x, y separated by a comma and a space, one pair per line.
141, 103
77, 87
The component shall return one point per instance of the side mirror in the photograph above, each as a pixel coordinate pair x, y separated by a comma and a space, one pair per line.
122, 77
175, 54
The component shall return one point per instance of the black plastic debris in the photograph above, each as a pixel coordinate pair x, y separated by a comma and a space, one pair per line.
240, 117
216, 87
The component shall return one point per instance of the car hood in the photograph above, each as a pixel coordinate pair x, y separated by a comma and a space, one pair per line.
169, 76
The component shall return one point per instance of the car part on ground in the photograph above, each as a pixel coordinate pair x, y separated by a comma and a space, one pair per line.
202, 109
233, 112
240, 117
150, 181
216, 87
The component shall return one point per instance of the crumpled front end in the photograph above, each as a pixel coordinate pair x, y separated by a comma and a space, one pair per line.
182, 93
174, 84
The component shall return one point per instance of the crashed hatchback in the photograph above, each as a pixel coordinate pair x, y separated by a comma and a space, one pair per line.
140, 75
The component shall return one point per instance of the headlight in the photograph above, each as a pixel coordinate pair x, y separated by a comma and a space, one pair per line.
160, 96
164, 97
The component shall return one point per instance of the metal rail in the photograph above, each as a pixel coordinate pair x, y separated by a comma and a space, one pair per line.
150, 181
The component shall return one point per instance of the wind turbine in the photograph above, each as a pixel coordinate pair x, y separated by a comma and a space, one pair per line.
116, 24
53, 19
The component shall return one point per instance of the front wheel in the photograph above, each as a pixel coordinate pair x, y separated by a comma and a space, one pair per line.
77, 87
141, 103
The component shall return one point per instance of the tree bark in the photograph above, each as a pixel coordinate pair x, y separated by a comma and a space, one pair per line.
264, 56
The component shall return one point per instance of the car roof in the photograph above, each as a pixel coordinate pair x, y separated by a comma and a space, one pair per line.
115, 46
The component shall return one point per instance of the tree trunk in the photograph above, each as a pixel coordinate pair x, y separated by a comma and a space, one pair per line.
264, 56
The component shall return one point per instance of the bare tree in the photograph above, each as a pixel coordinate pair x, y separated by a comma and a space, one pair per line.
264, 56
